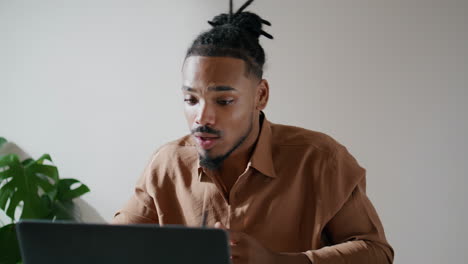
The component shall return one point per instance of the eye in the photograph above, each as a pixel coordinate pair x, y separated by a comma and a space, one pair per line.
225, 102
191, 100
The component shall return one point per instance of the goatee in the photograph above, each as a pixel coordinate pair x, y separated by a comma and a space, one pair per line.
214, 163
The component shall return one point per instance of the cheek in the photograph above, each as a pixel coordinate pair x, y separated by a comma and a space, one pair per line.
190, 115
239, 120
243, 113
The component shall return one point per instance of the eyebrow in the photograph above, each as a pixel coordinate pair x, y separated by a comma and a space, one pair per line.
218, 88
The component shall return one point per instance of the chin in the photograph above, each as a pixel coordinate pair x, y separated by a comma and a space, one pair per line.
210, 153
206, 153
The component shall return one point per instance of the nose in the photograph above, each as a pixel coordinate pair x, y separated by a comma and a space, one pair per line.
206, 115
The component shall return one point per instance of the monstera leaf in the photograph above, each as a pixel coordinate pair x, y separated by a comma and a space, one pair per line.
2, 141
63, 208
32, 189
28, 184
9, 245
35, 188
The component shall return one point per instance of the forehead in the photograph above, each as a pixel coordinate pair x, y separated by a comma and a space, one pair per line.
201, 71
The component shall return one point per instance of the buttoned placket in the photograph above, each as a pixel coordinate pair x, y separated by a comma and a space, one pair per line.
232, 199
235, 214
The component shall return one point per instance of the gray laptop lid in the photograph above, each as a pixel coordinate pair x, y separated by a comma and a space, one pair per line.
60, 242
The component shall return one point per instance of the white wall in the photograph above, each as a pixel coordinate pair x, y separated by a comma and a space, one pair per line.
96, 85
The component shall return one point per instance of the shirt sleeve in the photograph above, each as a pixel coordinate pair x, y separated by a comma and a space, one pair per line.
140, 209
355, 233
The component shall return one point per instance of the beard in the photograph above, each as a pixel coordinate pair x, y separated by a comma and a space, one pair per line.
214, 163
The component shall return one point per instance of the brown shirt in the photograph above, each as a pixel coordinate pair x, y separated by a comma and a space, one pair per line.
301, 192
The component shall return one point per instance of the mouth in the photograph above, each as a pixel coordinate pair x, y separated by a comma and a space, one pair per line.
206, 141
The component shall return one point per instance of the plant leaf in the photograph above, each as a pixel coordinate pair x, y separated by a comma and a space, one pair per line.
23, 182
3, 174
4, 195
27, 161
9, 245
14, 202
66, 210
44, 157
48, 170
2, 141
7, 159
36, 188
65, 193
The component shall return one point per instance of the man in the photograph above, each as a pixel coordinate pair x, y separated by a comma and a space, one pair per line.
285, 194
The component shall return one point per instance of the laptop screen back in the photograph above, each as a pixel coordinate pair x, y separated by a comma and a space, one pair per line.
58, 243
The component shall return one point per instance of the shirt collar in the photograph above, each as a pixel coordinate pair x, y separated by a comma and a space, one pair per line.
262, 156
261, 159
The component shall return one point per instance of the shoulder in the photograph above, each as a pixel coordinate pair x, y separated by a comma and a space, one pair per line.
332, 168
175, 156
317, 148
323, 152
176, 147
293, 136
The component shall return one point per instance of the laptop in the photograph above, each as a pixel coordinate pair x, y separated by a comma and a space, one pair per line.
63, 242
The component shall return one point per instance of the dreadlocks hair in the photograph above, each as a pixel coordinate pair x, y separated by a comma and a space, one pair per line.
234, 35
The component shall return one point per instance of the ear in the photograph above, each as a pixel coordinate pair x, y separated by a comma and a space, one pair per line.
263, 92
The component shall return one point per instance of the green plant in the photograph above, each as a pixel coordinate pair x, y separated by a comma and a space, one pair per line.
32, 189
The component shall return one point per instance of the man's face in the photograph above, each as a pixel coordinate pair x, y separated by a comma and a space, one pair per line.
219, 104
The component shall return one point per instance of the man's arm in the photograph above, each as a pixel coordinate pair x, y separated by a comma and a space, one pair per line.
140, 209
356, 234
353, 228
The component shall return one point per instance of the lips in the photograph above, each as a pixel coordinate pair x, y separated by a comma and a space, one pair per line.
206, 142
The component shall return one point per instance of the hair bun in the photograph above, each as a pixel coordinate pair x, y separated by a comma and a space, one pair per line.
247, 21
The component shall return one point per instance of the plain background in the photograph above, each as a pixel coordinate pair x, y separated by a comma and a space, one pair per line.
96, 83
